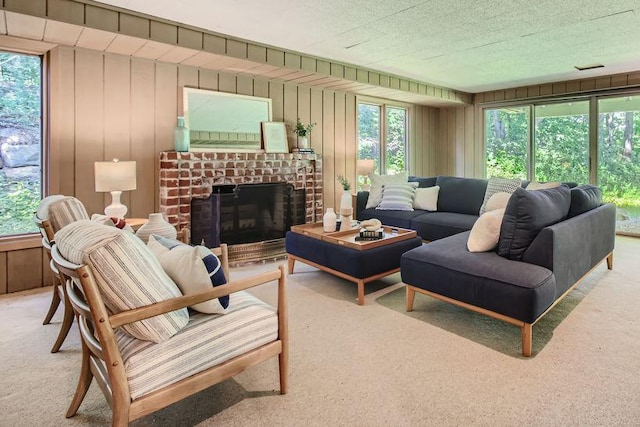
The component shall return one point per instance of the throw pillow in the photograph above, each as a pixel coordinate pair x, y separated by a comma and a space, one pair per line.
194, 269
398, 197
498, 201
526, 214
378, 181
427, 198
497, 185
486, 231
534, 185
127, 274
584, 198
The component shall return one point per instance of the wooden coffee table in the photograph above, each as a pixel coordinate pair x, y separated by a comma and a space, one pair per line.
340, 254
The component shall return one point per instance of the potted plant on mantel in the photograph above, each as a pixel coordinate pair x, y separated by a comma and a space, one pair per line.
303, 131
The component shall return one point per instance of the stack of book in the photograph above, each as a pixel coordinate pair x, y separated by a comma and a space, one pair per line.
370, 235
303, 150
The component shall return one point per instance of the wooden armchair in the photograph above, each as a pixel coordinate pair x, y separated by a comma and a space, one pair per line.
109, 354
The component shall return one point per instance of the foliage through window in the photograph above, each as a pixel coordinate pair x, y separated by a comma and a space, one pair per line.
388, 153
20, 141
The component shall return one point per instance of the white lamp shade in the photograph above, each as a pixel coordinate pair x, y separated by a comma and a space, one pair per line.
365, 166
115, 175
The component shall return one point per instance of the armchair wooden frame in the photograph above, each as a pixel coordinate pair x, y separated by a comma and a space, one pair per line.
101, 358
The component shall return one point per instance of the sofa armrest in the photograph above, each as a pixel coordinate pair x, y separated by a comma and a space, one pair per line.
361, 203
572, 247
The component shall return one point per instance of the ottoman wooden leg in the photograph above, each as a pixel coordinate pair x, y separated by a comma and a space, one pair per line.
411, 294
360, 292
291, 261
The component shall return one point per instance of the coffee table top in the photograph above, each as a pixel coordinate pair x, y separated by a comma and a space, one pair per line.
348, 237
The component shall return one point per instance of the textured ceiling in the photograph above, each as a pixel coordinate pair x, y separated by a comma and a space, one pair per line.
467, 45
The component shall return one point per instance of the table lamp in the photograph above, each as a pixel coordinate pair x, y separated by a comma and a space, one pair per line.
363, 168
115, 177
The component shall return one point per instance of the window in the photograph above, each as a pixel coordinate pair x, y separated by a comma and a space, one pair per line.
20, 141
560, 147
388, 153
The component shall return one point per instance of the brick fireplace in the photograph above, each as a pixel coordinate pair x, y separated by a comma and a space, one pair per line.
184, 176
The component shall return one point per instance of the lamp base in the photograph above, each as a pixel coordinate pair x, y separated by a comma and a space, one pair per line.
115, 209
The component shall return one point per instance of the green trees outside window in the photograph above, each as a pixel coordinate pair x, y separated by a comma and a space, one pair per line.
20, 141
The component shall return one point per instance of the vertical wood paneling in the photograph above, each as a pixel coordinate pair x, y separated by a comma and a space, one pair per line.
328, 158
3, 272
89, 125
351, 142
244, 85
458, 142
189, 77
317, 115
276, 93
290, 112
208, 79
165, 113
339, 142
469, 149
260, 88
142, 136
47, 273
22, 272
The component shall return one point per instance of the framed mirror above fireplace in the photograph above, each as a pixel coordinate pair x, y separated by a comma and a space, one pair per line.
220, 121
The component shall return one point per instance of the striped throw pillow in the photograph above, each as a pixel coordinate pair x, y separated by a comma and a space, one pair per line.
127, 273
398, 197
65, 211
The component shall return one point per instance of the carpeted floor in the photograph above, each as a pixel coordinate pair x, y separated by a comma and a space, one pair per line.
376, 364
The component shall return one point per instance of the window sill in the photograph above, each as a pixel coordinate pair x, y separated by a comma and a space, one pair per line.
16, 243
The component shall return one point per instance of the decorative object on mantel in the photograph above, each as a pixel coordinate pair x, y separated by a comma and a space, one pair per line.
181, 136
329, 221
156, 225
274, 135
303, 132
115, 177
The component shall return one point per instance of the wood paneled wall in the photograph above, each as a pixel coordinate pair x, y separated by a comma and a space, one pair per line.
105, 105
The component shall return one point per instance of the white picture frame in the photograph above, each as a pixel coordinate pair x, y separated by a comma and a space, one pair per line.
274, 135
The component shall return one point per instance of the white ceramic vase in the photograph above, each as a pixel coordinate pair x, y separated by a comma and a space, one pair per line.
329, 221
345, 200
156, 225
303, 142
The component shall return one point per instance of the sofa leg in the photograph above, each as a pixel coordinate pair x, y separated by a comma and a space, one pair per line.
411, 294
610, 261
526, 331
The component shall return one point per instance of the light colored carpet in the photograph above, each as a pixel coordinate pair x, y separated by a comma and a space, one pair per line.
375, 365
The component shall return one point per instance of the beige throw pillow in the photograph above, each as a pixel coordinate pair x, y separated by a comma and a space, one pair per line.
486, 232
534, 185
496, 185
427, 198
378, 181
498, 201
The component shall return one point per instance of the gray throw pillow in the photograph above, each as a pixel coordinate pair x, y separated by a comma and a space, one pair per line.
584, 198
526, 214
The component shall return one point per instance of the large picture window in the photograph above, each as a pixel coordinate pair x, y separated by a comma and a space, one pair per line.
559, 146
388, 152
20, 141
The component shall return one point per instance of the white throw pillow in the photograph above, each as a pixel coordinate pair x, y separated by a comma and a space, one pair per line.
485, 232
498, 201
534, 185
378, 181
496, 185
398, 197
427, 198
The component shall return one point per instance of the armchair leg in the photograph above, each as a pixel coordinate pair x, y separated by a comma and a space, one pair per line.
411, 295
55, 302
83, 383
526, 331
67, 321
283, 364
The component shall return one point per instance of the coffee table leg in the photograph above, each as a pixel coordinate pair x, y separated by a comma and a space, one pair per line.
291, 262
360, 292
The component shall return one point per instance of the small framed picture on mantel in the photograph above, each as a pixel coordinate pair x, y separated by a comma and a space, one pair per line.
274, 135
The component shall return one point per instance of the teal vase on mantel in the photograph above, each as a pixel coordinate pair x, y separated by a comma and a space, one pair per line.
181, 136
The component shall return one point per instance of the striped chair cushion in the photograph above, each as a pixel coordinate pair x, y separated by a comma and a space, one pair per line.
207, 340
127, 273
65, 211
43, 208
398, 197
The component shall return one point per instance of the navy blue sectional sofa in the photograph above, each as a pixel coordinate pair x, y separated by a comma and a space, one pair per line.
520, 288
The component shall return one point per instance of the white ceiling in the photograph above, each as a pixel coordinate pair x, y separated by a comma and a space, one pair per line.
467, 45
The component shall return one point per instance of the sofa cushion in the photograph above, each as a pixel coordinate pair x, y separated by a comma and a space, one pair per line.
498, 185
584, 198
400, 219
461, 195
398, 197
427, 198
126, 272
437, 225
207, 340
194, 269
486, 231
516, 289
423, 182
378, 181
526, 214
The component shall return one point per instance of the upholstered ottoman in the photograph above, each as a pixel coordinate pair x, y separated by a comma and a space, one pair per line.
357, 265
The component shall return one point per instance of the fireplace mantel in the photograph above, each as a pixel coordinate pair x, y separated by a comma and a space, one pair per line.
184, 176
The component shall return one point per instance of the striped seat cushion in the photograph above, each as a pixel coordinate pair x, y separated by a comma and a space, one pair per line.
207, 340
126, 272
64, 211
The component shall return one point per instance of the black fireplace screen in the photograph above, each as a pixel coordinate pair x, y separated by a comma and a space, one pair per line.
246, 213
